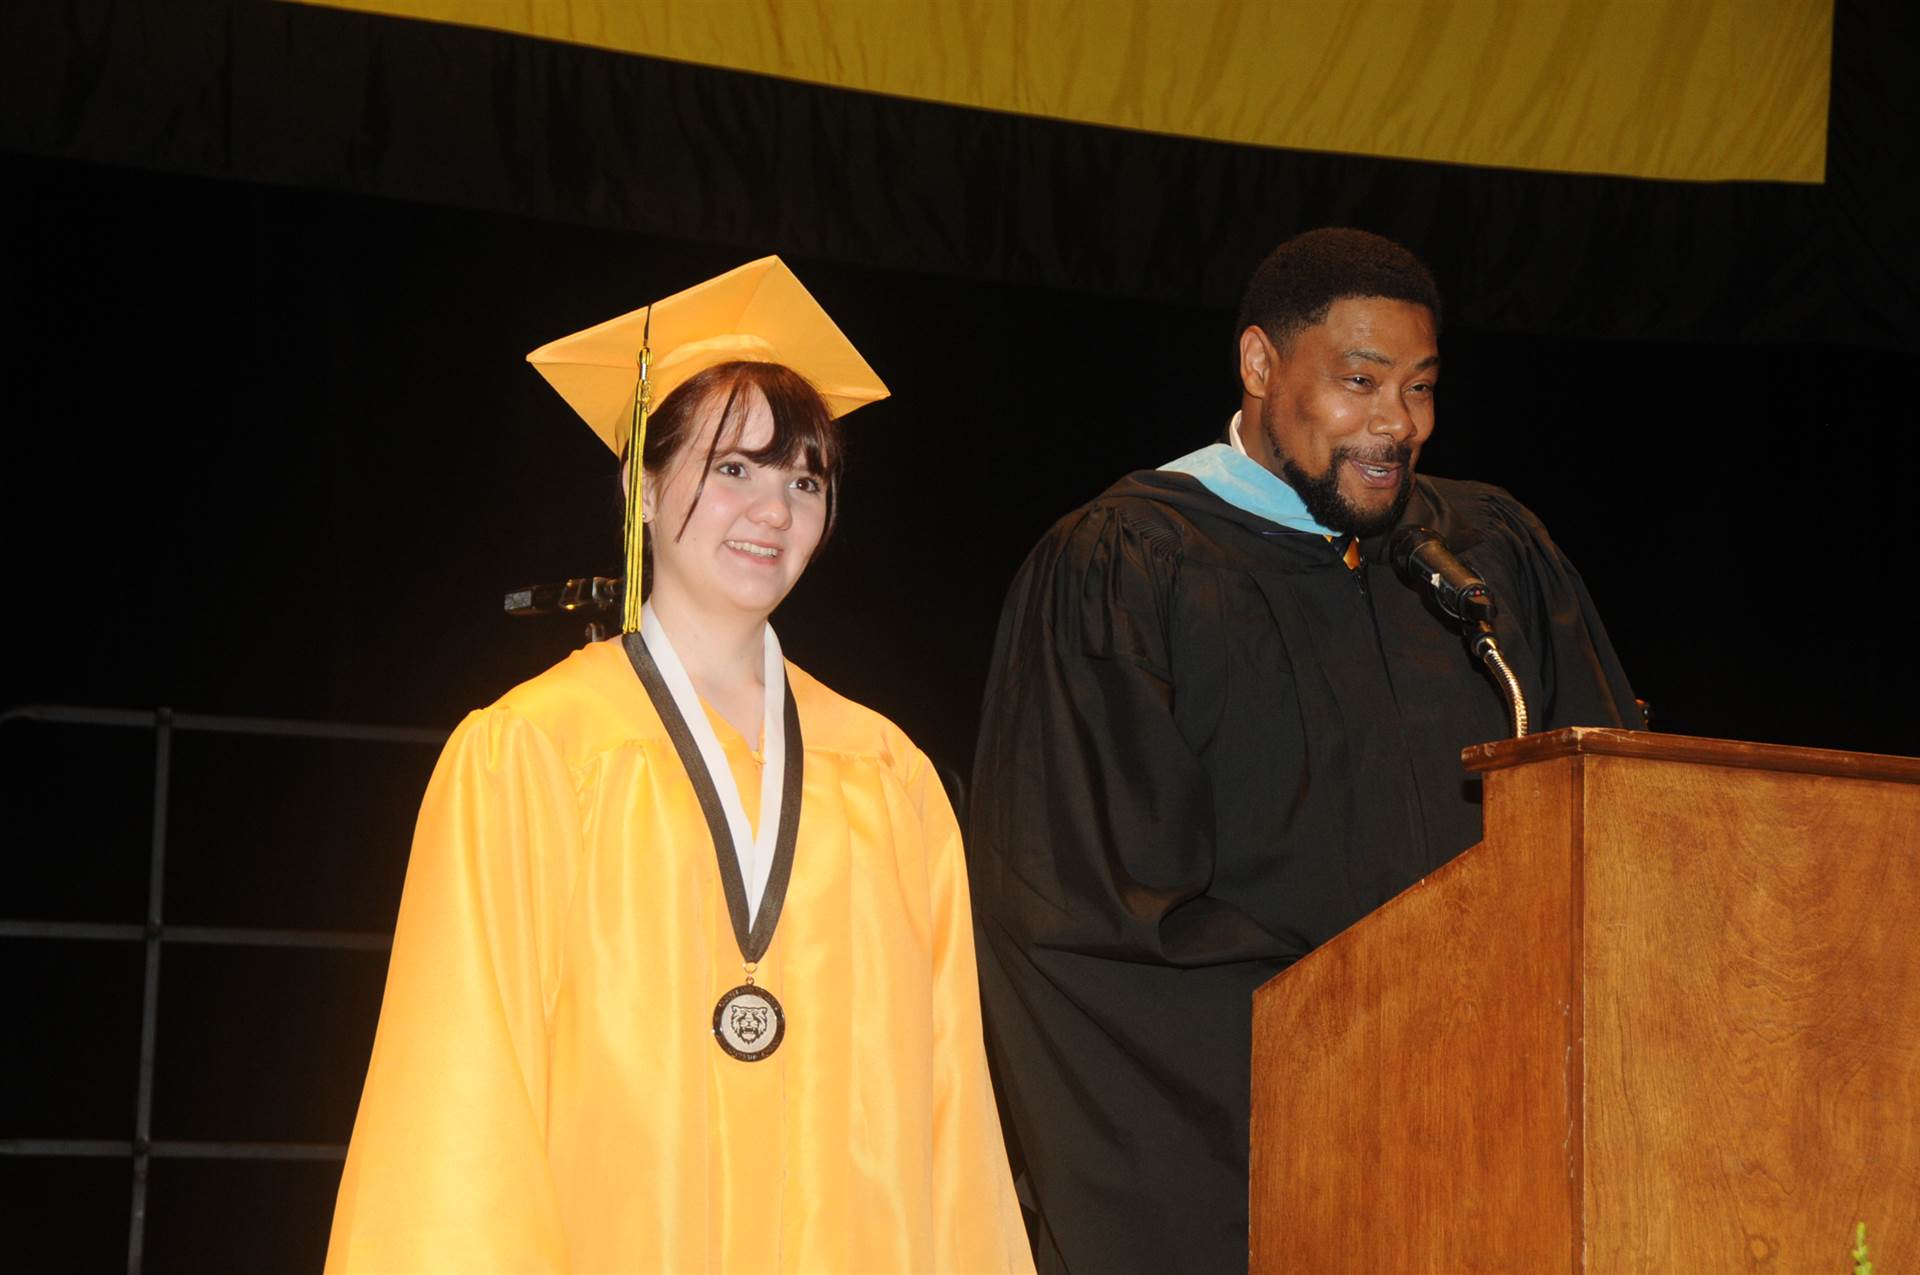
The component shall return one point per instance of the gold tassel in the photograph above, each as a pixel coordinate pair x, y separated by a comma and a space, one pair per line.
636, 477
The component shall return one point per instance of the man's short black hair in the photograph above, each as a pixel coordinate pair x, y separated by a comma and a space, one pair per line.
1301, 279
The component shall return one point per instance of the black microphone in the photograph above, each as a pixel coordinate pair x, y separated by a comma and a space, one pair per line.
588, 593
1424, 561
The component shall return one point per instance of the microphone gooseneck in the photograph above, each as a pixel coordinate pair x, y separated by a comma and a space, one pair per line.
1421, 557
1489, 653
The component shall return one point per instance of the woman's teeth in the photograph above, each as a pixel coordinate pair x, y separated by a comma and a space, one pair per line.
758, 551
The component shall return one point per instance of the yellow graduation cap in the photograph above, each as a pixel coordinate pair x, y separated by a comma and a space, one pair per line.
758, 312
613, 372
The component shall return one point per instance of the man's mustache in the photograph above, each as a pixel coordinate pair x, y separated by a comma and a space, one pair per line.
1389, 454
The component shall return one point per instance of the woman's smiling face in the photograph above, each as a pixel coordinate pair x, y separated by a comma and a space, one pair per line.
740, 540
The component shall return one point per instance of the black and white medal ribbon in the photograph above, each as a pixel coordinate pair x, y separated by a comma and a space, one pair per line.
748, 1022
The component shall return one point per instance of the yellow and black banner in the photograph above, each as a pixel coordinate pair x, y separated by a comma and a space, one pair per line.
1638, 169
1685, 90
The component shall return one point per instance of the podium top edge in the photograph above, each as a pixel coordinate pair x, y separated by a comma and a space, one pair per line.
1594, 741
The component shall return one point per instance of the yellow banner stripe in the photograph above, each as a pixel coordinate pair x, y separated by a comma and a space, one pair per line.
1692, 90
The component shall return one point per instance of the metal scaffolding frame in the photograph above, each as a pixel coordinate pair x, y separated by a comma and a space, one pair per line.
143, 1148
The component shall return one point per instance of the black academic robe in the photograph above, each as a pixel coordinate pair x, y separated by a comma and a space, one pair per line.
1207, 747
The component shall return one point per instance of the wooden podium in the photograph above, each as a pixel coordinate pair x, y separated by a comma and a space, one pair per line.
1665, 1017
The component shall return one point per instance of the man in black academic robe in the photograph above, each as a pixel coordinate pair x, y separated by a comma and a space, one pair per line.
1219, 730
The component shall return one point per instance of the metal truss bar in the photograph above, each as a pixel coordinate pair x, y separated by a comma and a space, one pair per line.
213, 935
71, 930
150, 996
220, 724
174, 1149
340, 940
65, 1146
154, 934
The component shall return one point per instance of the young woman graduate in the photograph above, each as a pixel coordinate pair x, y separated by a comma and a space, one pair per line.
684, 975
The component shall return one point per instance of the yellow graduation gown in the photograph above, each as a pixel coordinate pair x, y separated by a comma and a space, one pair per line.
545, 1092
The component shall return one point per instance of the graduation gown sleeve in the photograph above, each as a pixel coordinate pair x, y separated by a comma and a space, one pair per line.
448, 1166
1084, 728
977, 1225
1116, 978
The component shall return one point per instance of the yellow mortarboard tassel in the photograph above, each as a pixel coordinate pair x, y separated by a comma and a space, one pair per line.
636, 480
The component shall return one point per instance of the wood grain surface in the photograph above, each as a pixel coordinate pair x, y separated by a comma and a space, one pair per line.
1753, 1018
1665, 1018
1601, 741
1411, 1110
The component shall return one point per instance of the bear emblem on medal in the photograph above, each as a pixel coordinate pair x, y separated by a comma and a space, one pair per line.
749, 1023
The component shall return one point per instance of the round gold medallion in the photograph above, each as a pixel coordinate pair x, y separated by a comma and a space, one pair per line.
749, 1023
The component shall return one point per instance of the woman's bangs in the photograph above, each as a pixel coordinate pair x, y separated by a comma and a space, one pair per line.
804, 436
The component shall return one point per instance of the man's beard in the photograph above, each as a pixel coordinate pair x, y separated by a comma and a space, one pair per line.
1330, 507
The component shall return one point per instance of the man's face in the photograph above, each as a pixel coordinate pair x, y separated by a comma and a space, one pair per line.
1342, 413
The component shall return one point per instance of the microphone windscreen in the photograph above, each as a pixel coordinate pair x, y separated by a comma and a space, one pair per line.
1405, 543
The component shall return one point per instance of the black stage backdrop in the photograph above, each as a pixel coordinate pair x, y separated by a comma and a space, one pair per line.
277, 451
273, 450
